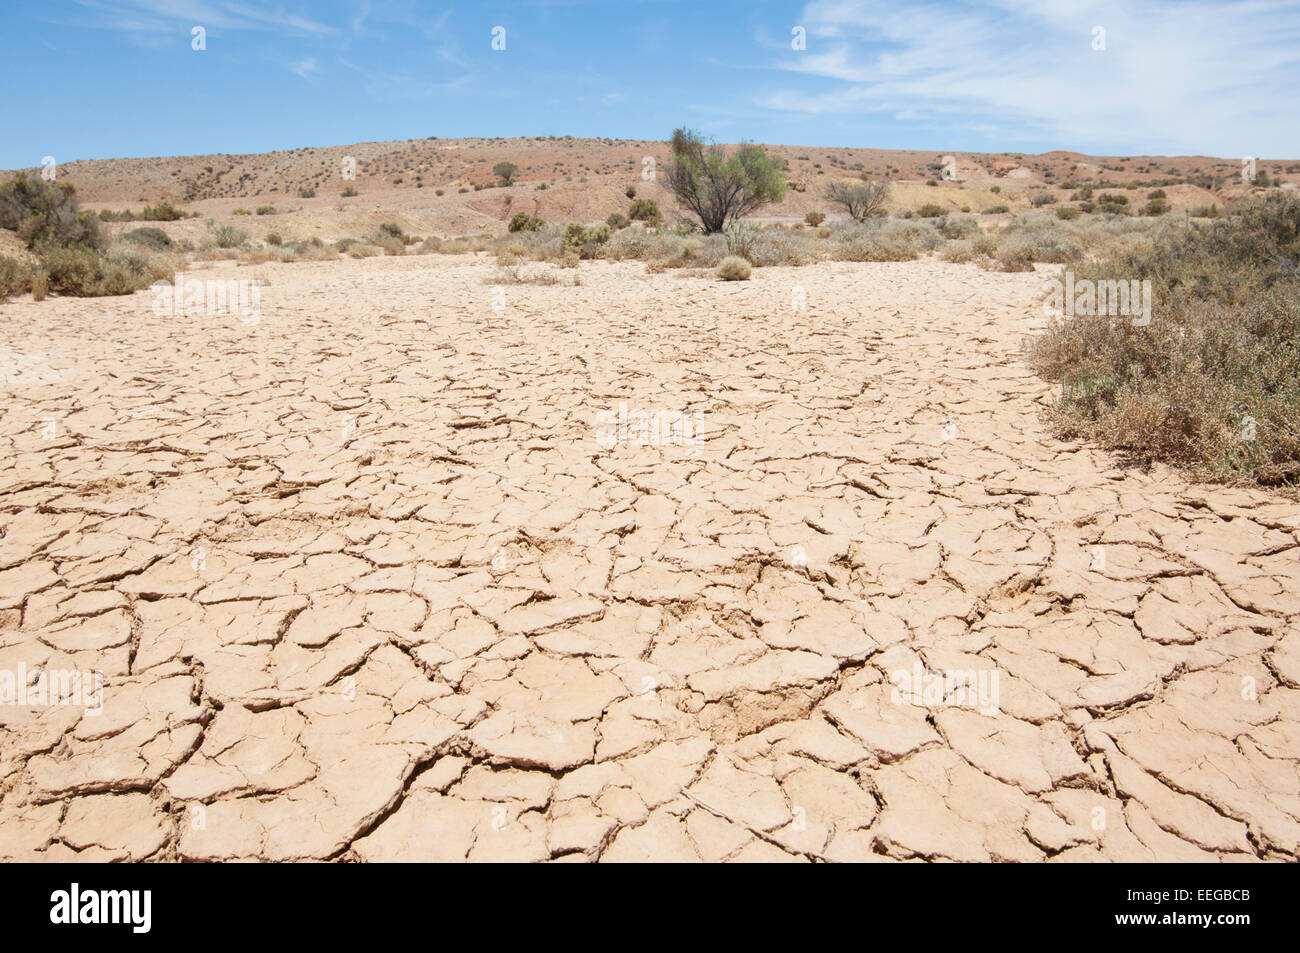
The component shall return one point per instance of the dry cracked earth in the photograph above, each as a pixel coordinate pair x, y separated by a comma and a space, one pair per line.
363, 583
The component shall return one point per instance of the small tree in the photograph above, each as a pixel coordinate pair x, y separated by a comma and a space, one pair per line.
861, 200
505, 171
719, 189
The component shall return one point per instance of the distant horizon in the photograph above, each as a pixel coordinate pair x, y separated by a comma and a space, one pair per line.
171, 78
772, 145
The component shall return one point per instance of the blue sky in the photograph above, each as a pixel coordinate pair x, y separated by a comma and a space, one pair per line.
97, 79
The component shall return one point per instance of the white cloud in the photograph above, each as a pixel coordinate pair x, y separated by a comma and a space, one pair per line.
1221, 77
306, 68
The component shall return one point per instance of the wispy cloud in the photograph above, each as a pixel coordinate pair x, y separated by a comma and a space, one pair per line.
159, 15
306, 68
1219, 77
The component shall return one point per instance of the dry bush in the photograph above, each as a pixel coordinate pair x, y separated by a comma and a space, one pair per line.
734, 268
15, 277
1212, 383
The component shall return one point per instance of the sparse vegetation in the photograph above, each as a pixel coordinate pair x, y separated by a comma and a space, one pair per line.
1212, 383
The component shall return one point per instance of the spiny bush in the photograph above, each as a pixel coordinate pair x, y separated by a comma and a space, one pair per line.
734, 268
1212, 383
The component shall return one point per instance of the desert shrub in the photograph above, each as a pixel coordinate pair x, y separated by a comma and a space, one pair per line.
274, 238
1015, 256
585, 240
996, 189
741, 239
15, 277
930, 210
996, 210
954, 228
154, 238
884, 241
718, 188
1207, 211
1067, 213
815, 218
734, 268
46, 214
616, 220
226, 236
362, 250
1155, 207
162, 212
389, 230
266, 210
350, 192
1212, 383
505, 171
306, 193
241, 211
645, 210
523, 222
861, 200
1113, 203
1043, 198
108, 215
83, 272
391, 244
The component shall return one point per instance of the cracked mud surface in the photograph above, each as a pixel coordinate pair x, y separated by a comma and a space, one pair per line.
363, 584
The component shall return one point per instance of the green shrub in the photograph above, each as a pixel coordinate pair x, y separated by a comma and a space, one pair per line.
523, 222
227, 236
1067, 213
734, 268
616, 220
644, 210
162, 212
266, 210
930, 210
1043, 198
505, 171
1155, 207
46, 214
814, 218
996, 210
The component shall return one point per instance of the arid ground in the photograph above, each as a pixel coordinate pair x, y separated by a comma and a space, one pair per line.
367, 580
